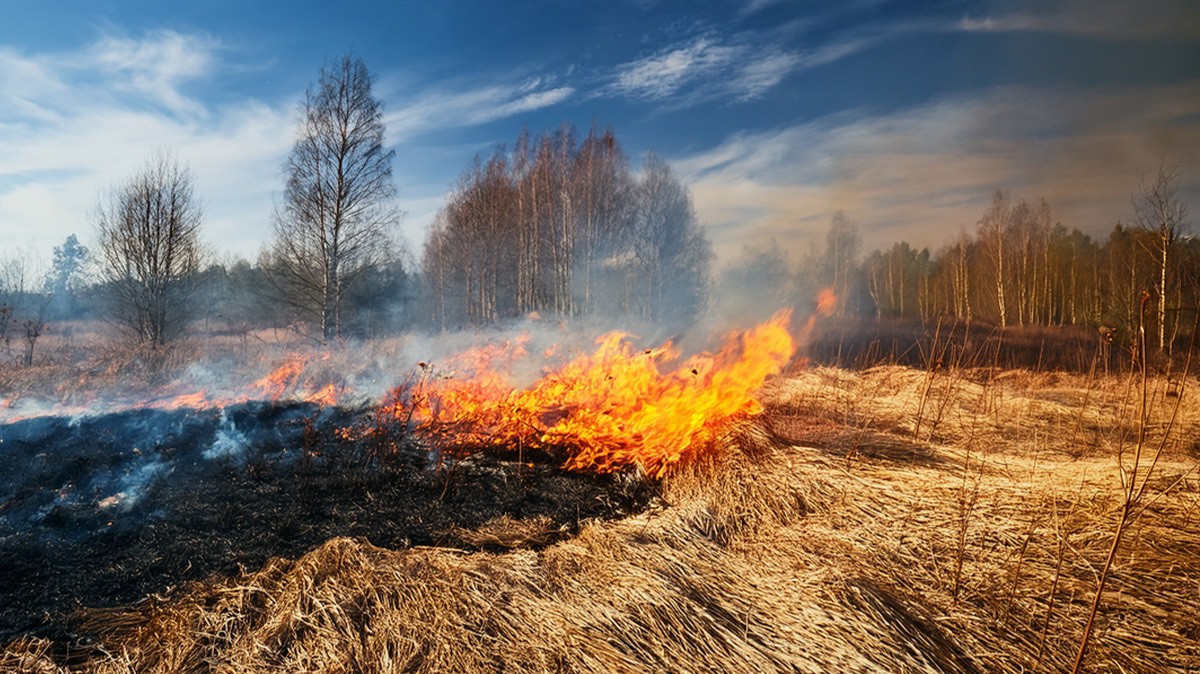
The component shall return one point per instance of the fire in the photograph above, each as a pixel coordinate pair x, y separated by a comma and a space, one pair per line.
281, 379
327, 396
292, 379
196, 400
614, 408
826, 306
826, 302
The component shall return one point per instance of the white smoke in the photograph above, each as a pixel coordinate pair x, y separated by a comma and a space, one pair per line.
229, 442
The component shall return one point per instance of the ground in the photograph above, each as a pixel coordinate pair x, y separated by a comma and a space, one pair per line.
888, 519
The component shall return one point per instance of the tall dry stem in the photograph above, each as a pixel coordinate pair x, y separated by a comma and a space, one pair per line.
1133, 491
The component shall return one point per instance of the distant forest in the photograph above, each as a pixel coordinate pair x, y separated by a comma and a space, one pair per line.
562, 227
1015, 267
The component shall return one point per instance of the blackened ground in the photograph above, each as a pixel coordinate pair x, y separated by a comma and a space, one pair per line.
108, 510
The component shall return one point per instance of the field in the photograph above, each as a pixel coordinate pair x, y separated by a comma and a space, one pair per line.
904, 519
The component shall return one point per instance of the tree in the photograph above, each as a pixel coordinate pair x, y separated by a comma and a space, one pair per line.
67, 275
69, 266
338, 212
150, 250
672, 253
1160, 213
21, 303
894, 281
842, 246
995, 241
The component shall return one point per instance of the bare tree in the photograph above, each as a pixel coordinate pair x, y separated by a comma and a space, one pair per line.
338, 209
994, 241
150, 250
21, 302
843, 244
671, 250
1163, 215
564, 228
14, 276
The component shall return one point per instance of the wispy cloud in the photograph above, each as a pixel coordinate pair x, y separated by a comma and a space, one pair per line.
73, 123
157, 65
666, 72
471, 105
1125, 20
922, 173
704, 68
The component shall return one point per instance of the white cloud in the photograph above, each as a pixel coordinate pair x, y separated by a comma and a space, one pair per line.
72, 124
922, 173
760, 76
664, 73
156, 65
702, 69
1126, 20
737, 68
446, 108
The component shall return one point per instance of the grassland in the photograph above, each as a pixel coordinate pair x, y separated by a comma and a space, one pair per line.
888, 519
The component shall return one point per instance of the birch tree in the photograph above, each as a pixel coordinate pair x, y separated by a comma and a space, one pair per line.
337, 213
1160, 213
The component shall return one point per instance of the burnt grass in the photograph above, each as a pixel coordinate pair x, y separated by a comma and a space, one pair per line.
106, 511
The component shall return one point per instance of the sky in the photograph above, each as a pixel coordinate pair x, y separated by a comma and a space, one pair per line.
907, 116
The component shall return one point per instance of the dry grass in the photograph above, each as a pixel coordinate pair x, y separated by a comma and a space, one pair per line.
84, 366
829, 536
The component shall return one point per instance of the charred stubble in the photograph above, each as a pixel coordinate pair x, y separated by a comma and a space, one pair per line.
109, 510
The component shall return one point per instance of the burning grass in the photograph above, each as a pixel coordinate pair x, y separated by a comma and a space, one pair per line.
610, 410
109, 510
884, 520
941, 520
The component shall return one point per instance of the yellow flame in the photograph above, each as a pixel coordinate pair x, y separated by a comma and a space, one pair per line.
614, 408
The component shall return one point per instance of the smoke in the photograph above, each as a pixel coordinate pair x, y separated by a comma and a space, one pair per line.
229, 444
134, 484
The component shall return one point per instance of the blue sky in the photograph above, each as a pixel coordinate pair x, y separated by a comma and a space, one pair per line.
777, 113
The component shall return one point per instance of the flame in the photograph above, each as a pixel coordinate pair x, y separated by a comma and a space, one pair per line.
327, 396
826, 302
197, 400
826, 305
281, 379
292, 379
614, 408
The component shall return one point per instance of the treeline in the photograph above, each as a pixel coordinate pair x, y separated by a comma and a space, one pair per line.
563, 227
1017, 266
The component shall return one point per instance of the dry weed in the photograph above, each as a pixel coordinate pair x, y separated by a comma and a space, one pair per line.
973, 547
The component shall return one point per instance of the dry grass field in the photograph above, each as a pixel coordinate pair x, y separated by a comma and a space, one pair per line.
891, 519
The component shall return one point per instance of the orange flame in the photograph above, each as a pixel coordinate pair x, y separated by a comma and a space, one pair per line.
282, 378
327, 396
609, 410
189, 400
826, 302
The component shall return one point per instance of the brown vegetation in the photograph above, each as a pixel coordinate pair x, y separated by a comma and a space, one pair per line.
886, 520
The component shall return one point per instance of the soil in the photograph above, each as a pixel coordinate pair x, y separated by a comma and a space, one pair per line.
106, 511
